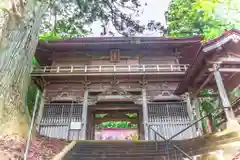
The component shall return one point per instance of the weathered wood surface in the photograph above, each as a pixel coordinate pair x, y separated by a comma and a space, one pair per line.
223, 95
84, 115
65, 91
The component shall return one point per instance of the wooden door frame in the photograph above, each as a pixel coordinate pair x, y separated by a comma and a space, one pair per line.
113, 107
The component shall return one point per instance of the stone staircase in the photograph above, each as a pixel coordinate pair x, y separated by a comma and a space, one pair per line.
148, 150
121, 150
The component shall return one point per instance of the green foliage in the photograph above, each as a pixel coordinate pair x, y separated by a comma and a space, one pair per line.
237, 92
31, 96
32, 91
209, 106
116, 124
48, 36
35, 62
132, 115
201, 17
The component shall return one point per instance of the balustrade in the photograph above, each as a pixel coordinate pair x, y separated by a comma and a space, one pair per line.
85, 69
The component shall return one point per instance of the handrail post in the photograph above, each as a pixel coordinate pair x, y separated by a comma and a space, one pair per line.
149, 137
45, 68
85, 68
155, 136
31, 125
185, 67
167, 150
143, 68
175, 154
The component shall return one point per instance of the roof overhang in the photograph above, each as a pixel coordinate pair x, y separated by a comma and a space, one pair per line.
97, 45
210, 48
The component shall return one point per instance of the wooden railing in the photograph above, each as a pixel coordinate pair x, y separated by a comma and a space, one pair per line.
91, 69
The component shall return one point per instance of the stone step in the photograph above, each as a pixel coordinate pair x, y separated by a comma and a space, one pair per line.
106, 150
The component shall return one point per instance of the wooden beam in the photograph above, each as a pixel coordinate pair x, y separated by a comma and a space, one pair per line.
229, 69
207, 95
122, 79
233, 75
100, 120
225, 69
204, 83
200, 74
126, 111
225, 60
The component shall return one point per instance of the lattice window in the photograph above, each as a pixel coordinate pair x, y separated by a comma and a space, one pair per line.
168, 119
57, 118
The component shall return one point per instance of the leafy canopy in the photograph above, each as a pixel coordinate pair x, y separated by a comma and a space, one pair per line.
202, 17
72, 18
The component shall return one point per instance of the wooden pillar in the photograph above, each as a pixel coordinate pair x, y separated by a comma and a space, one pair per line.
84, 115
223, 95
40, 109
90, 126
190, 113
145, 112
141, 126
195, 105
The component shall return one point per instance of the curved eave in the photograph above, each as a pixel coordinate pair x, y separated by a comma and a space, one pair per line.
114, 42
125, 39
209, 48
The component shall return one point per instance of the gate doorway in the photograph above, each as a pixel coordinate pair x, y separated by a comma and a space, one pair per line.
115, 125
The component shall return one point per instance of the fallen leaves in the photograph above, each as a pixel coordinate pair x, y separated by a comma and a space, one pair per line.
41, 148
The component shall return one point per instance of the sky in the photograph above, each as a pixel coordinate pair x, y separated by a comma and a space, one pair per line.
154, 10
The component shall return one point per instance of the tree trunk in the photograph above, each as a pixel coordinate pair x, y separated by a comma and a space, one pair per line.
16, 57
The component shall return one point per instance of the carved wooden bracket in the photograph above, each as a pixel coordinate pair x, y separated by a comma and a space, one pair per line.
64, 96
185, 97
138, 99
114, 91
86, 84
143, 83
92, 100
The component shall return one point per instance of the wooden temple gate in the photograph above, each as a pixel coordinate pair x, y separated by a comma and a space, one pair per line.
141, 74
160, 79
